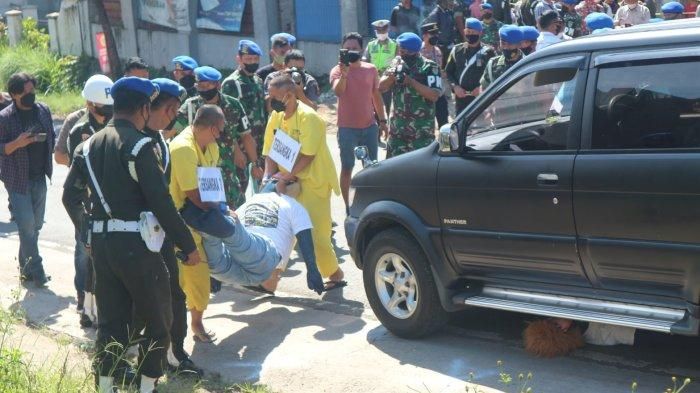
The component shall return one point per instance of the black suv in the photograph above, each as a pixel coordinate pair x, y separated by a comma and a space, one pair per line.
569, 188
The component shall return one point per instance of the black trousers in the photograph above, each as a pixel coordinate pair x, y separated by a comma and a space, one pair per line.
178, 329
129, 277
462, 103
442, 113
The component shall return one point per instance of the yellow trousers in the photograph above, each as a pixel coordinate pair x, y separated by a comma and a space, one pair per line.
194, 281
318, 204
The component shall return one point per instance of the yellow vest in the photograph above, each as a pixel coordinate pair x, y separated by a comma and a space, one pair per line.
381, 55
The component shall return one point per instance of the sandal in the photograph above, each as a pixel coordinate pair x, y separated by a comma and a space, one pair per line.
331, 285
204, 337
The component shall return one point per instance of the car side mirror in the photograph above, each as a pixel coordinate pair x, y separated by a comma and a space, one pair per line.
449, 138
362, 154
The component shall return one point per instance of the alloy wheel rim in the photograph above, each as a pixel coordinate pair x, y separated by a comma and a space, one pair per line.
396, 286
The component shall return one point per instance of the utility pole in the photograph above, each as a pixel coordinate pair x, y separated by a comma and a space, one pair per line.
112, 54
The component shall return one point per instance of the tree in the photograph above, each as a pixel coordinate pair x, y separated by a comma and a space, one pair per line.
114, 63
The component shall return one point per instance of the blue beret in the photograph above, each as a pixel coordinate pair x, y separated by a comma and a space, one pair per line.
291, 40
135, 84
530, 33
672, 7
598, 20
248, 47
207, 74
511, 34
486, 6
474, 24
170, 87
410, 42
185, 63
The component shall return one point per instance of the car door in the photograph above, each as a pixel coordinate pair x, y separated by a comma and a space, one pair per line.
505, 199
637, 178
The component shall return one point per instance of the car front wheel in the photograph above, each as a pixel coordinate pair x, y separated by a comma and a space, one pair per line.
400, 286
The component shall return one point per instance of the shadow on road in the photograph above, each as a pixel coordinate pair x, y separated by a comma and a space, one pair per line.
247, 348
7, 228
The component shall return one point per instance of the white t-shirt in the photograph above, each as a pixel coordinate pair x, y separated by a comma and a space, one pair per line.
276, 217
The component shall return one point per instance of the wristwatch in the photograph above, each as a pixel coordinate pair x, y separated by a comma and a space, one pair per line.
382, 121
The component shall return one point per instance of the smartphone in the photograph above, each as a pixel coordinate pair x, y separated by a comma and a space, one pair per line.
41, 137
344, 57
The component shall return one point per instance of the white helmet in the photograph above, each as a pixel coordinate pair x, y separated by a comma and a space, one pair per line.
97, 90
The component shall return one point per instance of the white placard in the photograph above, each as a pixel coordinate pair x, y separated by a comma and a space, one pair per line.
284, 150
211, 184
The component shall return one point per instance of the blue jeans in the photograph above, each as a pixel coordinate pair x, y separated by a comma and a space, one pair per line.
350, 138
28, 210
81, 258
244, 258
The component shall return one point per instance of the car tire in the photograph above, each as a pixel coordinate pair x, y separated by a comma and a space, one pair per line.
414, 317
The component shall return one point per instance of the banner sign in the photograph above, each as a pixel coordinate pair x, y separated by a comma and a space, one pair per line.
169, 13
211, 184
284, 150
223, 15
102, 56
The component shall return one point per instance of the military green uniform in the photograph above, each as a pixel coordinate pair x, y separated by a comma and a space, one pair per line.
490, 35
496, 67
249, 91
573, 24
412, 124
237, 124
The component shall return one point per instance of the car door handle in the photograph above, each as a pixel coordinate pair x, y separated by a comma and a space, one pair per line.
547, 179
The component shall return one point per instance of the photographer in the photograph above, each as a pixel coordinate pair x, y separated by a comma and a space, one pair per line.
307, 89
416, 85
356, 83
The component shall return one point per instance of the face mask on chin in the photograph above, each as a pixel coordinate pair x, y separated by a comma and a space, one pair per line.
277, 59
278, 105
632, 6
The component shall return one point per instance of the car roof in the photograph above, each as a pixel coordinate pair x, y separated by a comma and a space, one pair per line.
667, 33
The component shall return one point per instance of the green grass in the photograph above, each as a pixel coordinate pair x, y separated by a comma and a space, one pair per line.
61, 104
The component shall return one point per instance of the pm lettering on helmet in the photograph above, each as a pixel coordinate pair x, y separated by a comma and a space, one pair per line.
108, 90
434, 81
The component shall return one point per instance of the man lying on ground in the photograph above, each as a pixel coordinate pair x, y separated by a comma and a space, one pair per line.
251, 247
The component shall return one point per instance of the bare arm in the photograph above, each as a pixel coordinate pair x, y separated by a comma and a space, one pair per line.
386, 82
341, 83
61, 158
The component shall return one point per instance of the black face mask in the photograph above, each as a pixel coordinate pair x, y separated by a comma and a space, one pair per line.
251, 68
171, 124
354, 56
105, 111
187, 81
410, 60
510, 54
433, 40
527, 50
208, 95
28, 99
473, 38
277, 105
487, 16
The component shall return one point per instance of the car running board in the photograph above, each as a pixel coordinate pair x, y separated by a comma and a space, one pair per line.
658, 319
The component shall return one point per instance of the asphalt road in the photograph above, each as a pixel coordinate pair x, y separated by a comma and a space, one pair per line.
498, 334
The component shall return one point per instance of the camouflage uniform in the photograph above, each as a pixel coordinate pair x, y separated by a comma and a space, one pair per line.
412, 124
491, 36
573, 24
496, 67
237, 124
249, 91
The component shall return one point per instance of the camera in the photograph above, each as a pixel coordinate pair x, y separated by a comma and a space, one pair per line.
298, 75
345, 57
400, 73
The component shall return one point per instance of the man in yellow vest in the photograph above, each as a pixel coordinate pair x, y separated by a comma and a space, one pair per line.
380, 52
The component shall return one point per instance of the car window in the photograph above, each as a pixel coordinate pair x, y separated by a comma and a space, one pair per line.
531, 115
648, 105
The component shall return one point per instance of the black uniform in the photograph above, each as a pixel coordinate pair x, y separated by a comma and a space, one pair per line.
82, 130
465, 66
127, 169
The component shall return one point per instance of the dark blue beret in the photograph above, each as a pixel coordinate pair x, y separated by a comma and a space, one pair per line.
135, 84
410, 42
598, 20
530, 33
170, 87
510, 34
474, 24
672, 7
207, 74
248, 47
185, 63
